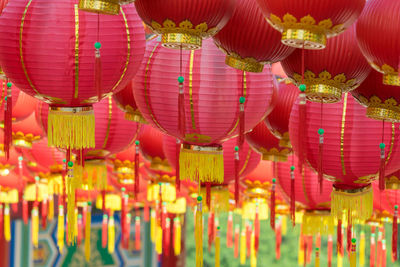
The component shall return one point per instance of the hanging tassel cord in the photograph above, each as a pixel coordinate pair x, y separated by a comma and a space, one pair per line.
321, 132
382, 160
98, 67
353, 253
349, 231
208, 195
236, 241
339, 237
302, 115
272, 209
8, 121
237, 176
292, 196
217, 247
199, 233
181, 119
178, 179
395, 233
137, 179
242, 101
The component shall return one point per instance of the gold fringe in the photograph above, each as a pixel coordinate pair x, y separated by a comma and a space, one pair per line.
60, 229
362, 249
243, 247
50, 214
353, 205
73, 182
153, 226
199, 233
7, 229
87, 233
67, 129
35, 227
318, 223
159, 238
253, 255
203, 166
177, 240
219, 199
249, 209
111, 234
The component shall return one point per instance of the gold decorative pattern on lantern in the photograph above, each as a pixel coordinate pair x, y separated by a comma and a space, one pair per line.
197, 138
392, 182
304, 32
325, 87
133, 115
390, 74
24, 140
367, 179
5, 169
108, 7
275, 154
236, 61
162, 178
125, 167
284, 141
388, 110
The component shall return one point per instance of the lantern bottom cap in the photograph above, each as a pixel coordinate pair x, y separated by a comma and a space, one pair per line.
353, 204
274, 157
71, 128
392, 183
183, 41
244, 64
201, 163
135, 116
318, 222
323, 93
302, 38
391, 79
108, 7
22, 143
285, 142
383, 113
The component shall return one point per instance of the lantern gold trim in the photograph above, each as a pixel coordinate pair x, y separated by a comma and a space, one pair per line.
244, 64
108, 7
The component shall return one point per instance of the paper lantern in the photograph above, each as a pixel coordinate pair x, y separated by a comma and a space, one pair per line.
126, 102
351, 158
340, 67
184, 24
377, 35
211, 95
26, 132
308, 23
50, 55
248, 41
382, 101
278, 120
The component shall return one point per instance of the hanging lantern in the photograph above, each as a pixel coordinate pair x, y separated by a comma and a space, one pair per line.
248, 41
382, 101
278, 120
183, 24
380, 20
327, 73
317, 218
352, 158
308, 23
126, 102
213, 97
60, 71
26, 132
265, 143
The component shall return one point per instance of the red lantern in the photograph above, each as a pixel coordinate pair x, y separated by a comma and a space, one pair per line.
327, 73
212, 96
278, 120
377, 34
249, 41
382, 101
308, 23
26, 132
183, 24
60, 70
265, 143
126, 102
351, 157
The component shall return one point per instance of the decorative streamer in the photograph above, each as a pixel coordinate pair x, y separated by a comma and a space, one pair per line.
278, 240
87, 231
253, 254
395, 233
217, 247
25, 210
111, 234
362, 249
317, 260
167, 239
104, 231
353, 254
178, 179
292, 196
177, 236
237, 236
137, 232
35, 226
44, 213
237, 176
208, 195
256, 229
330, 250
60, 228
7, 229
71, 204
199, 232
243, 247
272, 207
229, 230
372, 251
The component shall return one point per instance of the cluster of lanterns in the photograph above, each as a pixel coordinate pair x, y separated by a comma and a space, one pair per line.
96, 115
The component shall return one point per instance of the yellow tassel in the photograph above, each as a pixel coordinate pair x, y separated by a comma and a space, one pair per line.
219, 199
69, 129
60, 229
153, 225
217, 247
317, 260
159, 238
96, 170
318, 223
7, 229
50, 214
35, 227
300, 252
87, 232
204, 164
199, 232
362, 249
284, 225
74, 181
253, 255
111, 234
353, 253
358, 205
339, 260
243, 247
177, 240
76, 224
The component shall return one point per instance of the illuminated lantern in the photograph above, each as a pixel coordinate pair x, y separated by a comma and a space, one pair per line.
351, 157
380, 21
63, 70
212, 96
308, 23
249, 41
26, 132
184, 24
382, 101
126, 102
265, 143
278, 120
340, 67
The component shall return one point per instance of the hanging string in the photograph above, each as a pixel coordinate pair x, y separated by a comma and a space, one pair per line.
302, 115
237, 176
382, 161
292, 196
137, 178
394, 233
242, 101
320, 149
98, 69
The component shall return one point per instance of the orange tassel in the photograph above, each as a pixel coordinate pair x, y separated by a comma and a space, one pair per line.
372, 252
137, 233
278, 240
330, 250
394, 233
229, 231
237, 236
256, 230
104, 231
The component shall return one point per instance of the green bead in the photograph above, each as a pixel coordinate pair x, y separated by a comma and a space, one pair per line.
292, 168
242, 99
273, 180
70, 164
236, 148
321, 131
97, 45
20, 158
89, 203
64, 160
5, 98
181, 79
123, 189
199, 198
37, 178
317, 249
137, 142
9, 84
302, 87
218, 228
105, 216
382, 145
79, 216
353, 240
396, 207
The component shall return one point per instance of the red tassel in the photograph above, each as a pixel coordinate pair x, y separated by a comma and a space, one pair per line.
44, 213
229, 231
8, 121
241, 119
320, 152
210, 229
103, 196
349, 228
330, 250
237, 176
248, 239
272, 208
379, 249
123, 214
339, 237
237, 235
208, 195
98, 70
382, 168
256, 229
137, 233
137, 182
146, 212
181, 107
167, 238
80, 229
302, 129
292, 196
394, 234
372, 252
1, 222
127, 230
104, 231
278, 240
25, 214
14, 207
178, 179
309, 248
